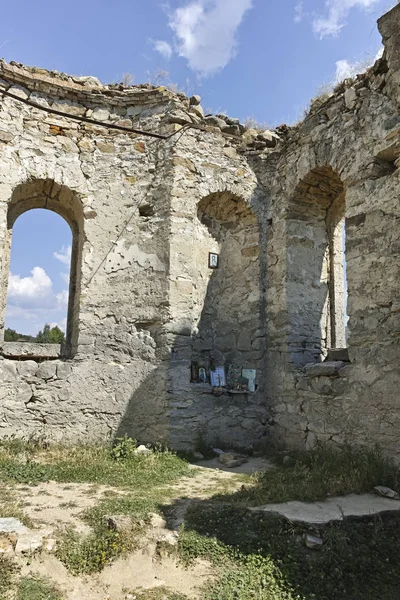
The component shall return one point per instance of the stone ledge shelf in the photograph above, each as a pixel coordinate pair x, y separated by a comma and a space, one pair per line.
27, 350
324, 369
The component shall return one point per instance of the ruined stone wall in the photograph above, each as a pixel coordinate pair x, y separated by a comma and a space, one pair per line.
144, 305
139, 280
346, 151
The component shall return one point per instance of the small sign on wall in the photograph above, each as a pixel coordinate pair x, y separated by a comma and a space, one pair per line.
213, 260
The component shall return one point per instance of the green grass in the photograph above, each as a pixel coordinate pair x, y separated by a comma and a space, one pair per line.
90, 554
88, 464
257, 556
241, 576
37, 588
10, 506
248, 578
138, 507
264, 556
119, 466
317, 474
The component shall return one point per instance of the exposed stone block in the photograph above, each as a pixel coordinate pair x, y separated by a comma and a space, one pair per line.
325, 369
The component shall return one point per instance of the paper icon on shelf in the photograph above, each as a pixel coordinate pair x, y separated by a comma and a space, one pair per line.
218, 377
250, 375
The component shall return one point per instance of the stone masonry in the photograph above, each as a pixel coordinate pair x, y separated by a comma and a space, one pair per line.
150, 186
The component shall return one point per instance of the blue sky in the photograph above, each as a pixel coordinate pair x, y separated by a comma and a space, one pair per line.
262, 59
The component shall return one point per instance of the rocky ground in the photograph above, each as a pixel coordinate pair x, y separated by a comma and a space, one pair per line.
112, 524
52, 508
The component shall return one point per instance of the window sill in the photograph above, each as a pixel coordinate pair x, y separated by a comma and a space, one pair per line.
338, 354
27, 350
328, 368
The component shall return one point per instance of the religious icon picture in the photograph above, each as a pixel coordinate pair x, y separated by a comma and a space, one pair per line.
213, 260
202, 375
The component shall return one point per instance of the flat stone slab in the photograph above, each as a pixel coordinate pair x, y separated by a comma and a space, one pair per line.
30, 350
12, 525
332, 509
29, 542
326, 369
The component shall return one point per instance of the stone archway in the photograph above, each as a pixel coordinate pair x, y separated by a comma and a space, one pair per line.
47, 194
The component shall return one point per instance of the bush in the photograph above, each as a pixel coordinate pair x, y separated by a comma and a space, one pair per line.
124, 448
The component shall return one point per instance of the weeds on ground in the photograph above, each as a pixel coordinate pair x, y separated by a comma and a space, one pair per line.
241, 576
90, 554
11, 507
317, 474
250, 577
34, 587
135, 506
88, 464
159, 593
117, 466
359, 558
7, 572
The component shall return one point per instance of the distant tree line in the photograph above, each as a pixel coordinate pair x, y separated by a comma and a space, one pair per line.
49, 335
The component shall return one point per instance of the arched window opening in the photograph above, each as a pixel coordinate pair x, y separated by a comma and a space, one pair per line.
38, 283
227, 349
41, 285
337, 273
316, 266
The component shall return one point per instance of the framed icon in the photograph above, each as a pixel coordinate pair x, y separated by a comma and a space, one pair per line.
213, 260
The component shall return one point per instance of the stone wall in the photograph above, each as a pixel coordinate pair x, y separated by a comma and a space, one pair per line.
150, 186
346, 152
140, 252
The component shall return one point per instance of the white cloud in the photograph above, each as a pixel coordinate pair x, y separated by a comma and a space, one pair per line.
32, 302
164, 48
25, 290
65, 277
61, 324
31, 320
206, 31
64, 255
62, 299
299, 11
337, 13
346, 69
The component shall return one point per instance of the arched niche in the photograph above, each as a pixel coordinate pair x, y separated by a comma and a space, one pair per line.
228, 295
315, 286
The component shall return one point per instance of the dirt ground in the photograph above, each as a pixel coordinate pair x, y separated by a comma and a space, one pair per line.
54, 507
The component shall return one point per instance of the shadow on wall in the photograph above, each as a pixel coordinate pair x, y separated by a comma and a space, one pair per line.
227, 332
147, 414
228, 315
